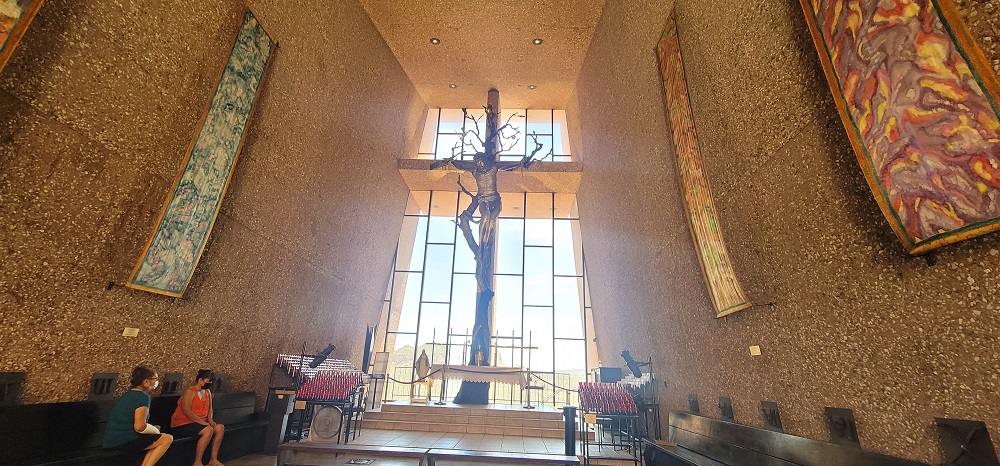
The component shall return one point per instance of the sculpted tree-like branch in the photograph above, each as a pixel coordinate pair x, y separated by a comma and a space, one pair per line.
484, 167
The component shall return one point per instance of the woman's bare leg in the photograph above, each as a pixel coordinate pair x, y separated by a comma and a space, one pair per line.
155, 451
204, 436
220, 430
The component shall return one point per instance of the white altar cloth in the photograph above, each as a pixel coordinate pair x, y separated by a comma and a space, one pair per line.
511, 375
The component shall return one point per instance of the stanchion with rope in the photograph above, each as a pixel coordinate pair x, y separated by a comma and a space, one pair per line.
411, 382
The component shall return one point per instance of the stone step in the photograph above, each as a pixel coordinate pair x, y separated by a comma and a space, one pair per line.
457, 410
609, 462
491, 420
431, 426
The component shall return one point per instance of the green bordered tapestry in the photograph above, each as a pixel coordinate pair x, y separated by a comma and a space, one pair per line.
187, 218
720, 277
919, 102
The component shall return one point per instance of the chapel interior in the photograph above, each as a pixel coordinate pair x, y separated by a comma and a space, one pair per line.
326, 231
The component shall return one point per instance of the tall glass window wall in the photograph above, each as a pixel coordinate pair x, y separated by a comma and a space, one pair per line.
542, 318
444, 127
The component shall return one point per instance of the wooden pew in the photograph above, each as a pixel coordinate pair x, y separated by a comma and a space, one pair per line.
288, 452
494, 457
701, 441
245, 429
71, 433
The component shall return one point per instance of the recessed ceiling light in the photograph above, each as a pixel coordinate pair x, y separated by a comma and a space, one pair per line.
537, 42
532, 86
435, 40
453, 86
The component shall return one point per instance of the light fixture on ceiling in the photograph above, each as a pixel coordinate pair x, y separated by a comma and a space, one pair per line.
537, 41
435, 40
532, 86
453, 86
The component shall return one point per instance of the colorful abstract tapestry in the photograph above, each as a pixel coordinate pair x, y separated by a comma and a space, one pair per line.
188, 216
723, 287
919, 102
15, 17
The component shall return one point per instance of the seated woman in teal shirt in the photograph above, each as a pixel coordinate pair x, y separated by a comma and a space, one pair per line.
127, 429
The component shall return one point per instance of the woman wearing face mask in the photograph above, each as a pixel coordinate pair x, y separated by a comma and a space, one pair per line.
193, 417
127, 429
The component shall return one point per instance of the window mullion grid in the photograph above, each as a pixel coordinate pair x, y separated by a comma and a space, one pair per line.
451, 292
392, 290
524, 232
586, 336
437, 139
423, 278
552, 293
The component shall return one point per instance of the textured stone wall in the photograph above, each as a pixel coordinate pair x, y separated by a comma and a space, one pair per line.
857, 323
983, 19
97, 108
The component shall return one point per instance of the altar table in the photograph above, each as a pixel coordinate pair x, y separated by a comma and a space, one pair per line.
510, 375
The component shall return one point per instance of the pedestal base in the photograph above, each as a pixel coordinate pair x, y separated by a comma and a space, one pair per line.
473, 393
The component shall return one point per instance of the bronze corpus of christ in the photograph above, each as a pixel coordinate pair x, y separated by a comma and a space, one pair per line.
484, 168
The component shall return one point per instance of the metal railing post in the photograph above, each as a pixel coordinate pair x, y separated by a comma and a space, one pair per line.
569, 420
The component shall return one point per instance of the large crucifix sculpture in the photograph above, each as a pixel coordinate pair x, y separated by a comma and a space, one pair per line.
484, 167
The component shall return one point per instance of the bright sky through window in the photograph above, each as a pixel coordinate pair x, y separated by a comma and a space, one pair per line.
542, 316
443, 129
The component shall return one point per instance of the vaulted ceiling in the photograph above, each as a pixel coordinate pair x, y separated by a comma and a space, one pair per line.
487, 44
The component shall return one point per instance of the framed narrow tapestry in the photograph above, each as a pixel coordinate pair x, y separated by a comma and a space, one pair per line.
919, 102
723, 287
189, 213
15, 17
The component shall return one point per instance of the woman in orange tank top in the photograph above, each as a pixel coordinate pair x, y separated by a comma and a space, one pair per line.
193, 417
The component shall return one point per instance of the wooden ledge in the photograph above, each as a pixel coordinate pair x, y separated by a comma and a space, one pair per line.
474, 455
313, 447
541, 177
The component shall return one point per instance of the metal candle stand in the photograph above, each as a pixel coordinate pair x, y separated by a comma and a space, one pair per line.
611, 409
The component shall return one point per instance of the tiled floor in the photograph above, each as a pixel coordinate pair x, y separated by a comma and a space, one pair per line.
506, 424
490, 407
480, 442
257, 460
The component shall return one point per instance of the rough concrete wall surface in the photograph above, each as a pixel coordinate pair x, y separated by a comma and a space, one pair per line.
858, 323
98, 107
983, 20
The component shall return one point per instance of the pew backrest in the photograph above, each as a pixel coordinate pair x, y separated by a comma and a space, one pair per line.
51, 429
736, 444
230, 408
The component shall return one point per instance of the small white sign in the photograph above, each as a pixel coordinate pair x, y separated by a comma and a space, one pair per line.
130, 332
755, 350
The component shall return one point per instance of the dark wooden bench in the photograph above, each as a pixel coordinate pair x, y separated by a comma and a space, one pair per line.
496, 457
71, 433
245, 428
287, 452
701, 441
55, 433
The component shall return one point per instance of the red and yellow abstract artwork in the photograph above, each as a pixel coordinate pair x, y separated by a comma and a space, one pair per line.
919, 102
15, 16
724, 289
